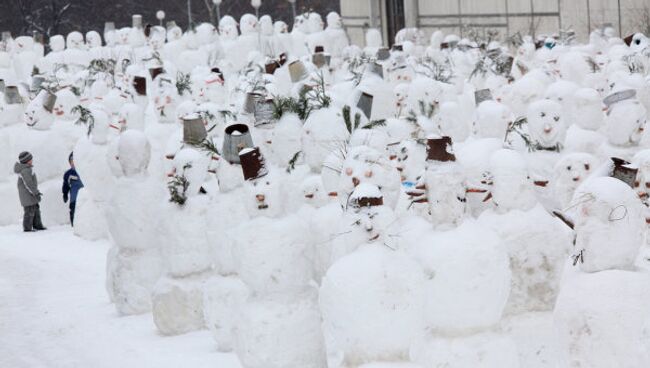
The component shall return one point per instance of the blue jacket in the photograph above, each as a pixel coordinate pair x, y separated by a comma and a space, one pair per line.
72, 183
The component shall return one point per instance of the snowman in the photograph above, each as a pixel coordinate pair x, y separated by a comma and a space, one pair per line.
336, 36
323, 133
134, 262
278, 274
91, 159
379, 282
51, 146
177, 298
444, 183
600, 312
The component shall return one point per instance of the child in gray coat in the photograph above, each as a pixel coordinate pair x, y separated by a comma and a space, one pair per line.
28, 192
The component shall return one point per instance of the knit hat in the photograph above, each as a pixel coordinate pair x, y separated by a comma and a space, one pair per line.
25, 157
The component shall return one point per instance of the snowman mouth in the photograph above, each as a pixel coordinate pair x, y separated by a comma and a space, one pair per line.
262, 206
58, 112
309, 196
576, 178
373, 238
333, 194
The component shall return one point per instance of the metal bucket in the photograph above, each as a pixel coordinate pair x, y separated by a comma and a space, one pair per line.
383, 54
193, 129
49, 101
251, 100
236, 138
252, 163
136, 21
623, 172
12, 96
140, 85
264, 112
156, 71
437, 149
482, 95
297, 71
37, 83
365, 104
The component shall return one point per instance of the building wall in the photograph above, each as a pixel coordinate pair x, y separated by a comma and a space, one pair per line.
509, 16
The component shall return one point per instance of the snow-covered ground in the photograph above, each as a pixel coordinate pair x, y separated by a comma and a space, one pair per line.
54, 311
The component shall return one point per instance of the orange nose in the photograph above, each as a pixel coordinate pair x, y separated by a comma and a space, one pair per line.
355, 181
547, 130
260, 197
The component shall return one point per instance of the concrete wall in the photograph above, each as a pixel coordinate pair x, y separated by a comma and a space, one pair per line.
506, 16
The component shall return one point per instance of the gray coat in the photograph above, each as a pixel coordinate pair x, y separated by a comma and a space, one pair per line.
27, 185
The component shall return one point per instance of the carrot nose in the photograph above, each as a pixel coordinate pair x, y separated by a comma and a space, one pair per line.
355, 182
260, 197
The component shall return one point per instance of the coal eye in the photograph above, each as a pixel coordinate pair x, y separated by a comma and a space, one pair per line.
586, 166
647, 185
542, 114
556, 118
636, 183
568, 167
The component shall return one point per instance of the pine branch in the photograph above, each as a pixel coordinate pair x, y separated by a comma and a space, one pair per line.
85, 117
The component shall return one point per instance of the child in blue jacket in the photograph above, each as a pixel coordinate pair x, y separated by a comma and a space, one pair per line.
71, 185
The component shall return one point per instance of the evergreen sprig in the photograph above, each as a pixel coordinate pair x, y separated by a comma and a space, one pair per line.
183, 83
177, 187
85, 117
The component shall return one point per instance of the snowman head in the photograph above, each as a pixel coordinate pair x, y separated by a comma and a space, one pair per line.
165, 101
93, 39
334, 21
492, 119
264, 196
370, 215
639, 42
266, 25
400, 92
625, 121
38, 114
206, 33
228, 28
192, 166
123, 36
131, 116
587, 109
562, 92
313, 191
248, 24
364, 165
546, 123
57, 43
134, 153
101, 124
373, 38
174, 33
508, 181
642, 183
185, 108
280, 27
65, 101
24, 44
75, 40
157, 37
315, 22
571, 171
